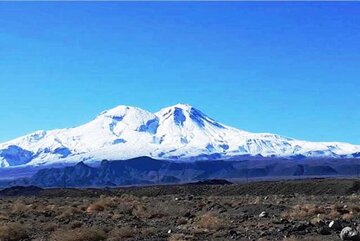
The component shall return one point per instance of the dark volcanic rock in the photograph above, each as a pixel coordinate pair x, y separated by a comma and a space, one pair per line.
212, 182
324, 231
335, 225
20, 191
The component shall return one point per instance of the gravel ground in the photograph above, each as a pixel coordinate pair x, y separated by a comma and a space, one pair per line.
278, 210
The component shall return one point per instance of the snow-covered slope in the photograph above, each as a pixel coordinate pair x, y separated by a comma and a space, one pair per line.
179, 132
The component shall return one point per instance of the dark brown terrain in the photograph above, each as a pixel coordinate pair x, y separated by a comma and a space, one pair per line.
215, 210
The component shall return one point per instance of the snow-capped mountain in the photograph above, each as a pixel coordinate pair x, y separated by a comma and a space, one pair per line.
179, 132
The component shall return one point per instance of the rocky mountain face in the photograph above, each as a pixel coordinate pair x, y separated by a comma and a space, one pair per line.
145, 170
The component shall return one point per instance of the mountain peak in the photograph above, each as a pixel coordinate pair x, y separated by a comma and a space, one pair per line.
182, 106
120, 110
185, 113
130, 113
175, 132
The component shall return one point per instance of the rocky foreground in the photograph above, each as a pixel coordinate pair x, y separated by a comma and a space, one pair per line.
216, 210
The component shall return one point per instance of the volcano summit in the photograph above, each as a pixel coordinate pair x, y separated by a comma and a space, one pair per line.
180, 132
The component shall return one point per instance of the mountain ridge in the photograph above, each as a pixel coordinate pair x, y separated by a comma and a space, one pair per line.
148, 171
178, 132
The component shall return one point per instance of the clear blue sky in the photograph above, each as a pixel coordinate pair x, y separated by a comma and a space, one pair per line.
286, 68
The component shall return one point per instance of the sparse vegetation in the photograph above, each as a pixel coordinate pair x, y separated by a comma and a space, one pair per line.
13, 232
303, 211
210, 221
178, 237
95, 207
78, 235
123, 233
175, 213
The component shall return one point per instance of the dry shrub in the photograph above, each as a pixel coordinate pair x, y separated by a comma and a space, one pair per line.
354, 198
177, 237
150, 231
101, 204
300, 212
127, 204
19, 207
141, 211
316, 221
50, 207
83, 207
232, 203
50, 227
95, 207
4, 217
107, 201
68, 212
125, 207
355, 209
182, 221
122, 233
75, 224
210, 221
117, 216
290, 239
354, 212
336, 211
313, 212
347, 216
79, 234
258, 200
13, 232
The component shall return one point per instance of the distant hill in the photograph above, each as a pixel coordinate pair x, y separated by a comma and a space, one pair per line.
146, 171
